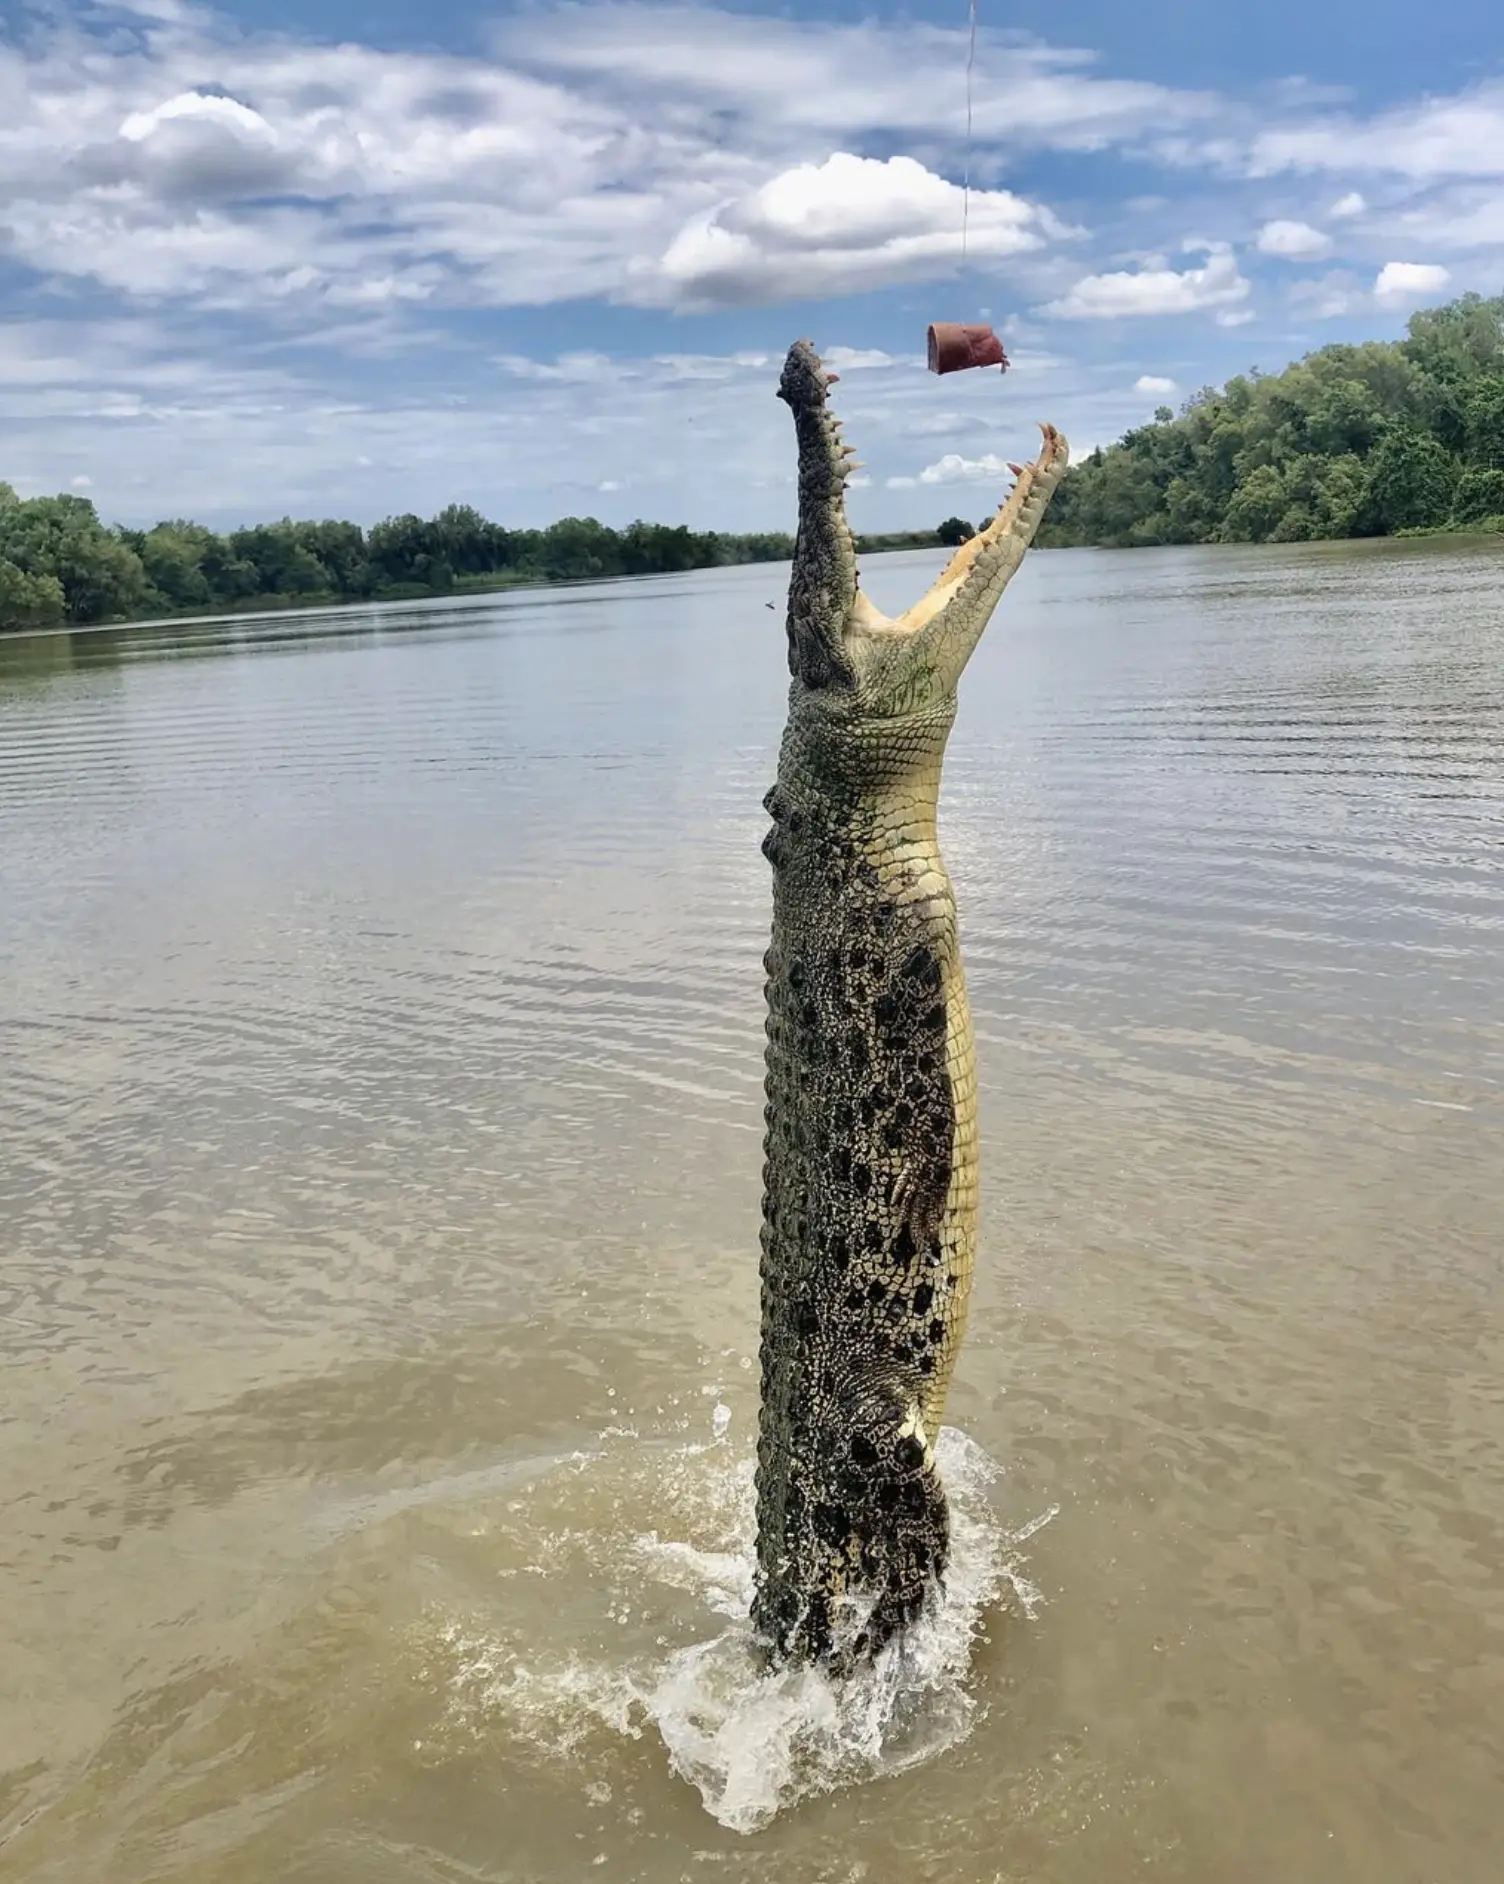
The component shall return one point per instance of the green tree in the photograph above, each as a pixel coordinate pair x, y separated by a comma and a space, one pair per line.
101, 577
1257, 506
1190, 512
173, 560
340, 552
1411, 480
468, 542
1455, 342
401, 549
1340, 490
57, 547
1345, 417
578, 549
1296, 526
1480, 494
28, 601
645, 548
283, 565
1483, 421
231, 578
955, 531
1351, 440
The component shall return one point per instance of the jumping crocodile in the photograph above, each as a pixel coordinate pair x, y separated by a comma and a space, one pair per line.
870, 1172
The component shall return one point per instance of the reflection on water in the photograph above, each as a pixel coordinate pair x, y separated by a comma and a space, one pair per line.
381, 1025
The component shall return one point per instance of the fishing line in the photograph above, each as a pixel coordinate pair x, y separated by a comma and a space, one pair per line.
955, 346
971, 59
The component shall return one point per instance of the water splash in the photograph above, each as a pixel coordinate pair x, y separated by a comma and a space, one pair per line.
754, 1744
750, 1744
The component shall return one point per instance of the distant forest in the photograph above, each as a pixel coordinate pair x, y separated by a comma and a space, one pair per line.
1373, 440
59, 564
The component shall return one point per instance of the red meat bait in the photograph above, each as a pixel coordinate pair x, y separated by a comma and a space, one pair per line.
954, 347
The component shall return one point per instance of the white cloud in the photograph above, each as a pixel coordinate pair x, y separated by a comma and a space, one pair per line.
847, 224
954, 469
81, 483
1156, 290
656, 155
1410, 281
181, 420
177, 424
1152, 383
857, 359
766, 78
1295, 241
1457, 136
359, 177
944, 424
281, 227
707, 366
211, 108
589, 366
1457, 217
1328, 297
609, 153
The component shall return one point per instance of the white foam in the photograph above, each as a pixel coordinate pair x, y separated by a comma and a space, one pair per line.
752, 1744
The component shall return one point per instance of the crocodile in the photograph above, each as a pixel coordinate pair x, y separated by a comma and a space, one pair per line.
870, 1151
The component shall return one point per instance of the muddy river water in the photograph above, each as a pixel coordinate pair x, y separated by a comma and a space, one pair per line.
380, 1113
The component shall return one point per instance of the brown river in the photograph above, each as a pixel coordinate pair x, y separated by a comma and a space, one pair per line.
380, 1114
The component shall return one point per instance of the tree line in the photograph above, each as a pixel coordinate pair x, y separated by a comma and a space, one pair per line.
60, 564
1372, 440
1366, 440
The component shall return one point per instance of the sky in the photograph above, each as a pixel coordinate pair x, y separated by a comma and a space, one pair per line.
314, 258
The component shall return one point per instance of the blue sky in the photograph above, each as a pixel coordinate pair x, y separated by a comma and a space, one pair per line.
331, 259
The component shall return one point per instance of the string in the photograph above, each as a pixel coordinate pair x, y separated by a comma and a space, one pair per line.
971, 56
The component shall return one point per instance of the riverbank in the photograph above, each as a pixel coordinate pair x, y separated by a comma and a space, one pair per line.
1385, 438
277, 601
